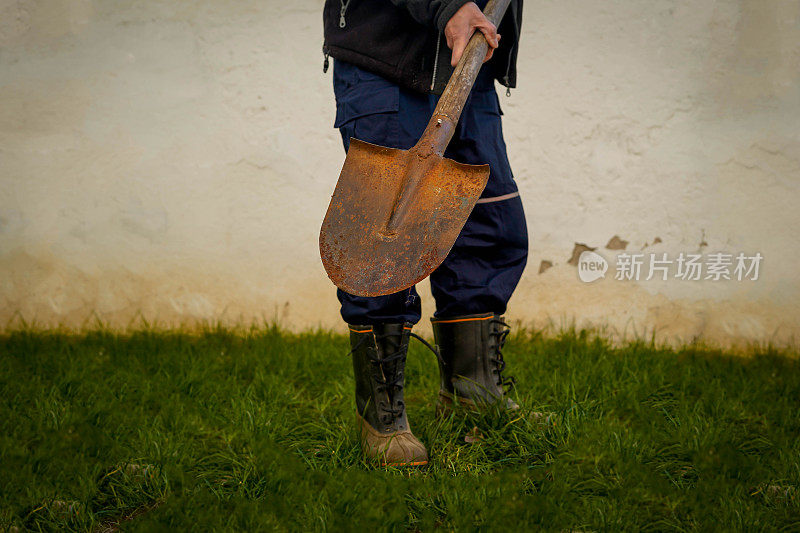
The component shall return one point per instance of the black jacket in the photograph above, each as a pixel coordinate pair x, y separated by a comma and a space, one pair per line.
403, 40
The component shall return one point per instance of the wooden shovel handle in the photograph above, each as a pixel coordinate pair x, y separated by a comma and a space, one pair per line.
442, 125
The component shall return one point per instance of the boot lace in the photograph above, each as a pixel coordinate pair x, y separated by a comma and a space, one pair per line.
393, 383
390, 382
496, 358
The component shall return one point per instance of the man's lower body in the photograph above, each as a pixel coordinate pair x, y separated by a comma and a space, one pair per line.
471, 287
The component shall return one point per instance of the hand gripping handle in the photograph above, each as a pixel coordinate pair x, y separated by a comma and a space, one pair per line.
442, 125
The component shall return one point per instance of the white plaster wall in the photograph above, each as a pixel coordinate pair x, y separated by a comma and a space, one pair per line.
172, 161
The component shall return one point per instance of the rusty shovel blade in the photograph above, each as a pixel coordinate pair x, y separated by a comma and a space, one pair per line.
369, 245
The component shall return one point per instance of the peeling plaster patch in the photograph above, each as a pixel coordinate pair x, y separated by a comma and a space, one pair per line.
616, 243
544, 265
655, 241
577, 251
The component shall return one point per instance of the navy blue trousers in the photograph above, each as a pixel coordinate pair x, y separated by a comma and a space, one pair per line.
484, 266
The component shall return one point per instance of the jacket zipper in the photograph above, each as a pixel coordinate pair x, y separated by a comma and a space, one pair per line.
511, 50
436, 61
506, 81
342, 11
344, 4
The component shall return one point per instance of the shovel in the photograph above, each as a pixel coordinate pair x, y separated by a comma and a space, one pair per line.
395, 214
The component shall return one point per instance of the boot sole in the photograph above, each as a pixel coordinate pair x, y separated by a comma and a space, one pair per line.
414, 463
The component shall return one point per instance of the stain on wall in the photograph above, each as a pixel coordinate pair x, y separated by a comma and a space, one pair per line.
172, 161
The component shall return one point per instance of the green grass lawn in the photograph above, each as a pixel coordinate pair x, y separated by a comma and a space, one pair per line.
254, 430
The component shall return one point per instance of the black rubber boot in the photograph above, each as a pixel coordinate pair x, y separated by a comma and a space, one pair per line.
379, 358
471, 361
